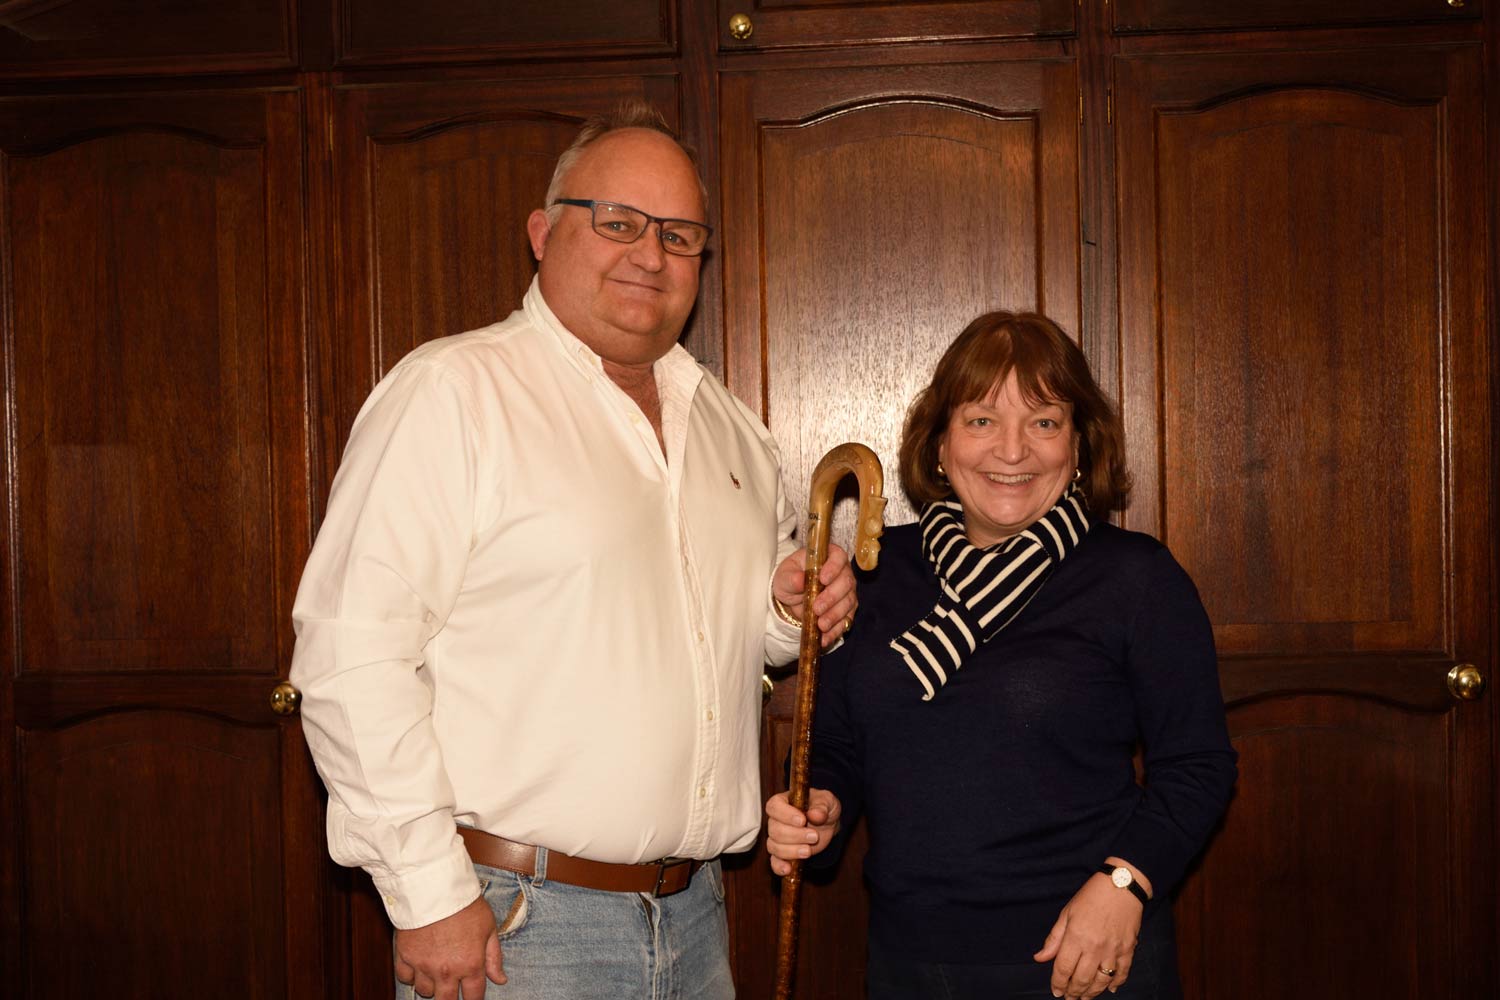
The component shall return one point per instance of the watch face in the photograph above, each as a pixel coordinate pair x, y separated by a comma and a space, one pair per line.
1120, 877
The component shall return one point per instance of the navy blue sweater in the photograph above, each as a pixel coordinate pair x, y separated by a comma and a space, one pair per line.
990, 805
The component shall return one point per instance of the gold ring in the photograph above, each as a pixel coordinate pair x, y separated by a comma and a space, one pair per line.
1106, 972
848, 622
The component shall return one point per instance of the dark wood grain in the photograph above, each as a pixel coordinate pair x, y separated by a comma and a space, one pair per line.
72, 38
393, 31
144, 476
169, 823
116, 816
1336, 787
1306, 392
1169, 15
877, 212
1293, 384
783, 24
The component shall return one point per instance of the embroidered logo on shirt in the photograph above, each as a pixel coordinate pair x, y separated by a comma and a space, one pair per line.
733, 480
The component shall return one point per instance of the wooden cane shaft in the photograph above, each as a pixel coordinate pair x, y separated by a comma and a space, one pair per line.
811, 650
807, 676
835, 465
786, 931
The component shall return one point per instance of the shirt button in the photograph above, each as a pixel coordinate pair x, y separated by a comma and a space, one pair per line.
700, 635
710, 715
702, 793
390, 901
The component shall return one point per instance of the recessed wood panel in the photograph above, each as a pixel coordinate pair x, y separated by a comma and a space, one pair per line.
778, 24
884, 226
451, 251
465, 30
1353, 878
153, 323
846, 181
1168, 15
153, 846
160, 480
77, 37
1298, 406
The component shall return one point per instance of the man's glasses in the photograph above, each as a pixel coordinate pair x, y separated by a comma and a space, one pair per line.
624, 224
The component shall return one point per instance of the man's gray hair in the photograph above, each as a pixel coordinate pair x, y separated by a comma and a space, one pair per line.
626, 114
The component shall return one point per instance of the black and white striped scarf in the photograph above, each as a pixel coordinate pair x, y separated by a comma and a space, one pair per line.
983, 589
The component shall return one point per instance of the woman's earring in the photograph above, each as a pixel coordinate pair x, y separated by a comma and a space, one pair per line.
941, 472
1077, 474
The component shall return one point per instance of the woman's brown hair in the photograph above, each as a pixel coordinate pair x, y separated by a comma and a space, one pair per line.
1050, 368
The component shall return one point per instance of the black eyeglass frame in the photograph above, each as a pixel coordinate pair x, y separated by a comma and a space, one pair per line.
661, 229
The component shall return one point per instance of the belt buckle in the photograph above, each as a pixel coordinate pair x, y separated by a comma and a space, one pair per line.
662, 867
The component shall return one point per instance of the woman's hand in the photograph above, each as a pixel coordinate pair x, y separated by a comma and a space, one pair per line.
836, 601
1096, 933
792, 834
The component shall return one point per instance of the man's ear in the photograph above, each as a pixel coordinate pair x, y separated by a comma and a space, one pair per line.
538, 228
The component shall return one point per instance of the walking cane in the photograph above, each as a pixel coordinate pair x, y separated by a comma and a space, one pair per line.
841, 461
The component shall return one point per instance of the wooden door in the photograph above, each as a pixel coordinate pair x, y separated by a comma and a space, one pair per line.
868, 216
437, 180
1305, 380
162, 825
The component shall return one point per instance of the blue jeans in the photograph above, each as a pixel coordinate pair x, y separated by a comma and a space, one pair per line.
1153, 973
562, 942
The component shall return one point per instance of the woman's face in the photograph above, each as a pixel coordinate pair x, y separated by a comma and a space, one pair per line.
1008, 460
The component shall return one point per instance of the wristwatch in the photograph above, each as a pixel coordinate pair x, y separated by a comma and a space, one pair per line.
1122, 879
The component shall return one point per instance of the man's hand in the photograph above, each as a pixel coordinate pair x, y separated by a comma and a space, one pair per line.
453, 956
836, 602
791, 833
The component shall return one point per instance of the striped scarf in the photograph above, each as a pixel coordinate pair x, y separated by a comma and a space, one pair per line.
983, 589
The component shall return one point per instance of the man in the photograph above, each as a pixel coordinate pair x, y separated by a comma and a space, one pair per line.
531, 630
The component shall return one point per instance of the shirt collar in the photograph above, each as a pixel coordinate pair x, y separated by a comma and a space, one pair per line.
676, 368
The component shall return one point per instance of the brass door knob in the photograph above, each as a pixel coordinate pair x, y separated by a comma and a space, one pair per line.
1465, 682
285, 699
766, 685
1455, 3
741, 27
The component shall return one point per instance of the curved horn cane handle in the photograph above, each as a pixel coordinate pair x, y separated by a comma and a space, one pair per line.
846, 459
840, 461
843, 460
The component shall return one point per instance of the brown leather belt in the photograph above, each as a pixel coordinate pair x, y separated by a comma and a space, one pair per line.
654, 878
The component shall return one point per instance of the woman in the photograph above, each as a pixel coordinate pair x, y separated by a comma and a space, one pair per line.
1013, 651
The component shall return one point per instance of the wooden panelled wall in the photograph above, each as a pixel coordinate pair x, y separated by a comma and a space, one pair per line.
1270, 225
